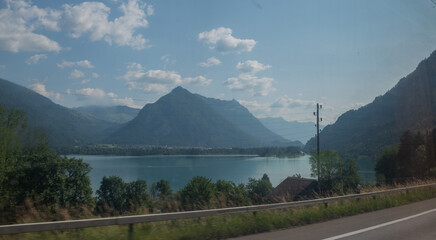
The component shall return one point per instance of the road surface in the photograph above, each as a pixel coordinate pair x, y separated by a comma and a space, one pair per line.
412, 221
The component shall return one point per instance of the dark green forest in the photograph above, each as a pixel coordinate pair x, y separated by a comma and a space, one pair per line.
413, 158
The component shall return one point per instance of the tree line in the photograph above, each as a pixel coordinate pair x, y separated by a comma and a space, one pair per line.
119, 150
414, 158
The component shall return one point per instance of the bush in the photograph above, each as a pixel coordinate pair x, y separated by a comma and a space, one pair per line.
198, 192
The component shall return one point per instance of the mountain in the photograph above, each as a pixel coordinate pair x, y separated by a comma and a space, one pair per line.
113, 114
240, 117
410, 105
181, 118
63, 126
299, 131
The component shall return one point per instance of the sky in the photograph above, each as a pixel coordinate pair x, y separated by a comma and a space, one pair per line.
277, 58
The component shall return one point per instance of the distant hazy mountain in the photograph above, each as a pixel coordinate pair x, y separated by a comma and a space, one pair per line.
240, 117
114, 114
297, 131
63, 126
181, 118
410, 105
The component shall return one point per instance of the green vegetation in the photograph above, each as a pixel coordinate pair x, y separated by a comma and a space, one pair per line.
115, 150
414, 158
116, 197
31, 172
233, 225
258, 189
335, 175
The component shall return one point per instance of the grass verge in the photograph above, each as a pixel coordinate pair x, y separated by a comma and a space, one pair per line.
233, 225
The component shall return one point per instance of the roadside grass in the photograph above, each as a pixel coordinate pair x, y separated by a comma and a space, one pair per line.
225, 226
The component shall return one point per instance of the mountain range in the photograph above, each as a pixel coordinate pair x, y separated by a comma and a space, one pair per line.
113, 114
179, 118
410, 105
291, 130
62, 125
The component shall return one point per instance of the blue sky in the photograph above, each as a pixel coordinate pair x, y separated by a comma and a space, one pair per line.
277, 58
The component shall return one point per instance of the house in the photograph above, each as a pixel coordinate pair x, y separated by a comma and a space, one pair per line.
295, 188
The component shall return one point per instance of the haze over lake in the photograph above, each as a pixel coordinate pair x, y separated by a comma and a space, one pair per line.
179, 169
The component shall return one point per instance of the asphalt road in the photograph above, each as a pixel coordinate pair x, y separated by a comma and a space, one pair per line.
412, 221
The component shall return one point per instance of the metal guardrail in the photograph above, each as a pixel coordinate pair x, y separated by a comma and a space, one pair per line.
129, 220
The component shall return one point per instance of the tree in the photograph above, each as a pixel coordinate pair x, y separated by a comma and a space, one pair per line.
161, 189
335, 175
136, 194
235, 195
12, 125
112, 192
350, 175
198, 192
386, 165
29, 169
258, 189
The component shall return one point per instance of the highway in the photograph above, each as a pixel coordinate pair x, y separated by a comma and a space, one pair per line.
412, 221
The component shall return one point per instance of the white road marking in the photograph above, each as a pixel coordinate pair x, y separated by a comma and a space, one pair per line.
379, 226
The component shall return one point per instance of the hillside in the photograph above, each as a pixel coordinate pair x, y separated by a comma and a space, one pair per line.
410, 105
62, 125
113, 114
297, 131
240, 117
181, 118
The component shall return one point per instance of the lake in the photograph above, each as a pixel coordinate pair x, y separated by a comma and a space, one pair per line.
178, 170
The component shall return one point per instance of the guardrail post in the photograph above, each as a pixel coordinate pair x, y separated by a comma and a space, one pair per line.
130, 237
326, 205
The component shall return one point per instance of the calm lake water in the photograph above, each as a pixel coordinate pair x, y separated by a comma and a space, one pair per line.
178, 170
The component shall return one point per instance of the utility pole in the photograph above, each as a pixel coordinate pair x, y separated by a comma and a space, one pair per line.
318, 106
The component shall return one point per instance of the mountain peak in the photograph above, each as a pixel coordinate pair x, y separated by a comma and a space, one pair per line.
180, 90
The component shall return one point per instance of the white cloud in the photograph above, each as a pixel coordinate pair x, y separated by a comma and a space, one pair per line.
19, 22
76, 74
251, 66
95, 75
85, 81
248, 81
222, 40
150, 10
165, 58
199, 80
65, 64
85, 64
35, 58
93, 93
300, 110
40, 88
212, 61
254, 85
157, 81
152, 81
92, 18
97, 95
82, 63
127, 102
287, 102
